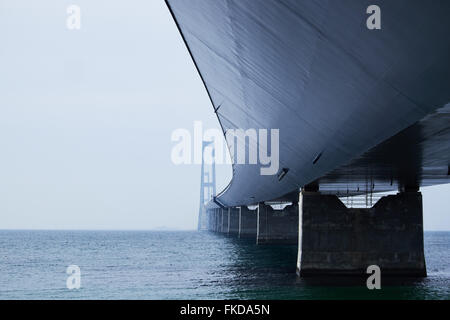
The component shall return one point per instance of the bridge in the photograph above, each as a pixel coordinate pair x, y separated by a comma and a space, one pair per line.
360, 111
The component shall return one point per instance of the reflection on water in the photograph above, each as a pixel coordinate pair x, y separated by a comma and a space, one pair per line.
187, 265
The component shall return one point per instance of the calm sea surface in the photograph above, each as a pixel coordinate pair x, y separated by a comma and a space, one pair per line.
186, 265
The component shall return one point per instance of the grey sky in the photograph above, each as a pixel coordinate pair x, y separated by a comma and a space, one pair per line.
86, 119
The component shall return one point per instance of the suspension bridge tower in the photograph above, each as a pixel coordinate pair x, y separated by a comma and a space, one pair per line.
207, 185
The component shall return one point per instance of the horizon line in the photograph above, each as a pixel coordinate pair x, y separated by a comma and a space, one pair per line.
154, 229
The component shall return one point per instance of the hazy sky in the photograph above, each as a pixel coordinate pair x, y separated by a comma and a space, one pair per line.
86, 118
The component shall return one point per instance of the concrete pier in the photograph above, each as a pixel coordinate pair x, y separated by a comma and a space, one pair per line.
209, 220
334, 239
233, 221
218, 220
248, 220
224, 220
277, 226
214, 220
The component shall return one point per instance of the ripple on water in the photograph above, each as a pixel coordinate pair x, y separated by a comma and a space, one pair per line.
185, 265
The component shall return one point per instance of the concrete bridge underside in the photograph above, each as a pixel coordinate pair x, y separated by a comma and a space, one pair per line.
358, 111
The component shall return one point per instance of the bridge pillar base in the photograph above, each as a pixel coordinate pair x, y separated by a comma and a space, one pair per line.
224, 220
277, 226
213, 220
218, 215
334, 239
233, 221
247, 222
210, 219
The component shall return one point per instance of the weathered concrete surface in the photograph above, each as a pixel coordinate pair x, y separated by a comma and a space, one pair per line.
248, 220
336, 240
209, 222
218, 213
314, 71
277, 226
212, 220
224, 224
233, 221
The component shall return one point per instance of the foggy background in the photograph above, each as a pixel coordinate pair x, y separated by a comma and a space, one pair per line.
86, 118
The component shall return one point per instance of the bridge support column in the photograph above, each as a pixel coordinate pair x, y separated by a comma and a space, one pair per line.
336, 240
247, 222
224, 220
219, 220
209, 219
212, 219
216, 220
277, 226
233, 221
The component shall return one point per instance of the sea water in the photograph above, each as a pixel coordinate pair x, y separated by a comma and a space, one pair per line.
187, 265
